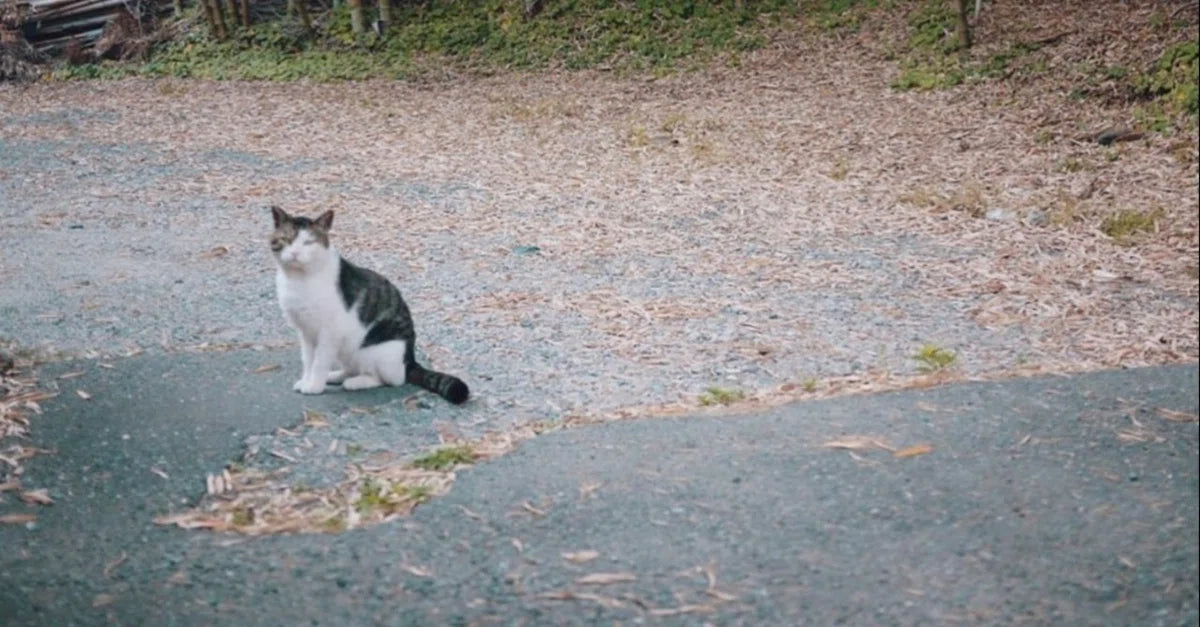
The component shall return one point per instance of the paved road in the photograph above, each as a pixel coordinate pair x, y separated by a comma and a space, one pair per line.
1033, 508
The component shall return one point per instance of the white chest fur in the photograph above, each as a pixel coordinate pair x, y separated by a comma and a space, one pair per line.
312, 304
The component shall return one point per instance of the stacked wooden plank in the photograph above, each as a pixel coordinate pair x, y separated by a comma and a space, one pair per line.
50, 24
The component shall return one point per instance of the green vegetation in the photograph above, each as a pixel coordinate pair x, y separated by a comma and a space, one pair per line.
242, 517
377, 496
841, 14
334, 524
933, 358
721, 396
445, 458
1124, 225
481, 36
1173, 79
933, 25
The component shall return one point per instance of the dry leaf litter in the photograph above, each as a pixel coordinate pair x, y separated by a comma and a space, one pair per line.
605, 248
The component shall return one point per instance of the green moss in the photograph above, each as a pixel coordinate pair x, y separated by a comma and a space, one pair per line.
445, 457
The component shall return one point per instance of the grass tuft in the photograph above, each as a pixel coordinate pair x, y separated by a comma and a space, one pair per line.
1124, 225
445, 458
720, 396
933, 358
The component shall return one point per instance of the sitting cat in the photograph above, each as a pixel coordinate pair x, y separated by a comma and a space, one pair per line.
345, 315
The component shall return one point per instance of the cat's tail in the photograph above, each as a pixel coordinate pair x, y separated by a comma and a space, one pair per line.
444, 385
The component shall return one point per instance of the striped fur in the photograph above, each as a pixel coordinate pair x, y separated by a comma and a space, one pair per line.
346, 315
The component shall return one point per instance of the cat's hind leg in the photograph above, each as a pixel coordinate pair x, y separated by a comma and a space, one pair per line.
361, 382
389, 362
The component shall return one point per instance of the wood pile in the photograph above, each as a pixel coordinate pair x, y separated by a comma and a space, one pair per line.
53, 26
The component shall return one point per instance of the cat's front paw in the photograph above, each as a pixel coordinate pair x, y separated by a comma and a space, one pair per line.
304, 386
311, 387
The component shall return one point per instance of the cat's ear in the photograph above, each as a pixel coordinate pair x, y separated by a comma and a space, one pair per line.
325, 220
279, 215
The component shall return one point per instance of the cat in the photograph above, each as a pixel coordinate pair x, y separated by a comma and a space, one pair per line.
345, 315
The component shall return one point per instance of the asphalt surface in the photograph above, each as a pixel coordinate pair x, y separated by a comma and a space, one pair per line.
1066, 500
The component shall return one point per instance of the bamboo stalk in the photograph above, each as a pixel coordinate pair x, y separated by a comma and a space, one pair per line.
356, 17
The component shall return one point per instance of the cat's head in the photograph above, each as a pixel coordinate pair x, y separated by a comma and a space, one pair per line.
299, 242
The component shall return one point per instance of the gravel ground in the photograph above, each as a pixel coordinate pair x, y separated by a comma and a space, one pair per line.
584, 243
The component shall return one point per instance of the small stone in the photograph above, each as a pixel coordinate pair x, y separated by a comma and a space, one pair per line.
1037, 217
527, 250
999, 215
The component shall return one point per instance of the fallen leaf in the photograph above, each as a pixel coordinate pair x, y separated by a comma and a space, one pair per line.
913, 451
518, 545
37, 497
84, 395
586, 490
71, 375
16, 519
103, 600
159, 472
527, 506
12, 484
214, 252
283, 456
603, 579
189, 521
567, 595
314, 419
1126, 561
416, 570
266, 368
579, 557
178, 578
858, 443
683, 609
1176, 416
112, 566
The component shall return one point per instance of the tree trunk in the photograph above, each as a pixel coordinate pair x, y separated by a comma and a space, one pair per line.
301, 7
356, 17
178, 8
964, 27
231, 7
244, 5
216, 18
385, 15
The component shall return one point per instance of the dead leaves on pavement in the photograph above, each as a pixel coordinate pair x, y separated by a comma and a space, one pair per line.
862, 443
